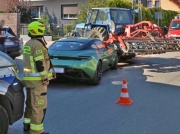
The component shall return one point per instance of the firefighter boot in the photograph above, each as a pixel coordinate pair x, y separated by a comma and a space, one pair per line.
26, 127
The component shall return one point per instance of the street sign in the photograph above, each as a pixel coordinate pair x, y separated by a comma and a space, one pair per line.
158, 15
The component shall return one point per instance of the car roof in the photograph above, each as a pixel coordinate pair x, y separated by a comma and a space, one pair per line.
80, 39
6, 60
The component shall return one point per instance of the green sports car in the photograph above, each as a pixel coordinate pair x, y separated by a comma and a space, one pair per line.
82, 58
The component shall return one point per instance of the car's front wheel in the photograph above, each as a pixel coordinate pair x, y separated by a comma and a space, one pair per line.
98, 74
4, 121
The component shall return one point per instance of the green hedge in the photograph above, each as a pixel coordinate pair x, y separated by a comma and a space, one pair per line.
167, 15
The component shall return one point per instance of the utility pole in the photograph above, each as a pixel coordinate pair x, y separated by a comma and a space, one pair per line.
140, 11
133, 7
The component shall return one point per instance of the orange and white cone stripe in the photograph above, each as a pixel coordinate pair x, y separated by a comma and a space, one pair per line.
124, 97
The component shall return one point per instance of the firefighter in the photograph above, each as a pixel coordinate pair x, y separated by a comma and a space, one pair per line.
38, 71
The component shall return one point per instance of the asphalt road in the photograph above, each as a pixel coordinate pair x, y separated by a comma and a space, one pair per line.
153, 84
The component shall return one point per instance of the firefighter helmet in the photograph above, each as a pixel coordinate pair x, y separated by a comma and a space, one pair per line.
36, 28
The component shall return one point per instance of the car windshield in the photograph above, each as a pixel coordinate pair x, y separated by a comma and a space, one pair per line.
175, 25
5, 33
67, 45
121, 16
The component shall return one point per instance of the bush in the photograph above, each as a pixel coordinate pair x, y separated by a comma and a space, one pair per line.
67, 28
54, 38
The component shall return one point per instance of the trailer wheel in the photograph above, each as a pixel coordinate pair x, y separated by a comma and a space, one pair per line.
4, 121
100, 33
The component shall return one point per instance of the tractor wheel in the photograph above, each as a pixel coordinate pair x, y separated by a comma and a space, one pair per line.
72, 34
100, 33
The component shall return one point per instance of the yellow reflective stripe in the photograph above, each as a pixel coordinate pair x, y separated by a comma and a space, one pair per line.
32, 64
50, 74
40, 102
43, 73
36, 127
32, 78
39, 58
36, 77
27, 120
32, 74
26, 50
38, 51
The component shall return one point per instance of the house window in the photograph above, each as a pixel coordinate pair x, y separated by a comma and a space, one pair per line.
149, 3
36, 12
157, 4
69, 11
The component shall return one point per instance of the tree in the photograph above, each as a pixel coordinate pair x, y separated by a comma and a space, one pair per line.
84, 8
20, 6
45, 20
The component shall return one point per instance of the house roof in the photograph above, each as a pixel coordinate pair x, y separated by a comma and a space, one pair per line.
177, 2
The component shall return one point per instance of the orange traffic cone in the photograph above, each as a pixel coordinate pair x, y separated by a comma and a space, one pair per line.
124, 97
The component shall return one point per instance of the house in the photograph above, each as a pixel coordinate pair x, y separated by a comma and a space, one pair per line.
60, 12
164, 4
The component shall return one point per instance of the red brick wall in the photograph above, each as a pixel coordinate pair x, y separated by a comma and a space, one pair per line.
12, 20
3, 5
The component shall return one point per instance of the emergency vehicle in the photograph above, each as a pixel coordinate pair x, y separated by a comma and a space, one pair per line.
174, 28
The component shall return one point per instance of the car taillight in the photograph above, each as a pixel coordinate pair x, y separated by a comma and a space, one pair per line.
17, 41
85, 57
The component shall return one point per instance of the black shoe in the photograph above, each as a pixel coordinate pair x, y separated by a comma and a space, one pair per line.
45, 133
26, 127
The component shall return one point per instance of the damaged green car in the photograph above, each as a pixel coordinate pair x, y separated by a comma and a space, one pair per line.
82, 58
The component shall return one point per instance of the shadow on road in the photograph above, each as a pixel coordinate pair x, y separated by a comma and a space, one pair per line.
159, 65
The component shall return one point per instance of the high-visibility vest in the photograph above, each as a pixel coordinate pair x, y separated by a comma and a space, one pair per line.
34, 51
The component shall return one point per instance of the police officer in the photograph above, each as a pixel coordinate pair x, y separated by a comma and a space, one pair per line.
37, 73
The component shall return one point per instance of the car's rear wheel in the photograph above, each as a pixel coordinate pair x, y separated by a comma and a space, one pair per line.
98, 74
115, 64
4, 121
